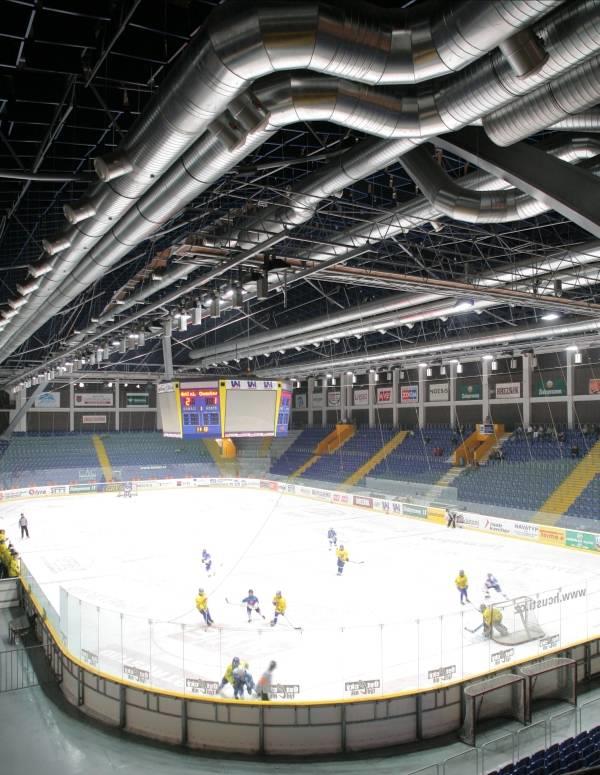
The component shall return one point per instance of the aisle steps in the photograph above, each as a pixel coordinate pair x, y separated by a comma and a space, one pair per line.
103, 458
330, 444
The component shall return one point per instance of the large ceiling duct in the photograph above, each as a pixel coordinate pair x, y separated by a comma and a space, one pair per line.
570, 93
191, 87
241, 43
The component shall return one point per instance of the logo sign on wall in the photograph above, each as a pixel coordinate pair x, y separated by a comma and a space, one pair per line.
94, 399
318, 400
470, 392
440, 391
508, 390
551, 387
361, 397
93, 419
409, 394
47, 401
300, 400
138, 399
384, 395
594, 387
334, 398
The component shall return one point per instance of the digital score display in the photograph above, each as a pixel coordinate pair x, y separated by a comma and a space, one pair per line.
285, 410
200, 412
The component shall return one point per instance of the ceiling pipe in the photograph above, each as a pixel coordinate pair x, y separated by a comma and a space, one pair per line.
569, 93
587, 121
524, 52
495, 71
242, 42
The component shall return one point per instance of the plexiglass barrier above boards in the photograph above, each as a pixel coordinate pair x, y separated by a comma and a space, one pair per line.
325, 662
315, 663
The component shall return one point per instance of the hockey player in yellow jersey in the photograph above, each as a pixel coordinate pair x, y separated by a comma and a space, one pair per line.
492, 620
228, 676
462, 584
342, 558
202, 606
280, 607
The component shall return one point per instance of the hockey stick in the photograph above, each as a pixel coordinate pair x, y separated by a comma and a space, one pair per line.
357, 562
287, 621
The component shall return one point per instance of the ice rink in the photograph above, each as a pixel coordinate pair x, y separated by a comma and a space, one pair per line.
392, 619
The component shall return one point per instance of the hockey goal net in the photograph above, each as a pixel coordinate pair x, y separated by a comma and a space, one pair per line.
519, 622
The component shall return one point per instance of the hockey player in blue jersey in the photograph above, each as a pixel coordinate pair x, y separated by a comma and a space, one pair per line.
332, 536
252, 605
127, 490
206, 561
491, 582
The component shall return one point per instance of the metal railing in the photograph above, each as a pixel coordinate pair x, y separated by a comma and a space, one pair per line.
511, 747
24, 667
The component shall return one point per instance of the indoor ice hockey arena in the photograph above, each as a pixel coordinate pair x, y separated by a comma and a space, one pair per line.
300, 387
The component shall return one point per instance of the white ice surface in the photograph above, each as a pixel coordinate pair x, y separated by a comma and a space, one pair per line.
140, 557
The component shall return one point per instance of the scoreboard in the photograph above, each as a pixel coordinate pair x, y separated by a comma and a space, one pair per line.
225, 408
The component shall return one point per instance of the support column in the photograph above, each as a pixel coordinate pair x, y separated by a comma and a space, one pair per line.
485, 390
117, 389
452, 389
422, 396
395, 393
71, 406
570, 391
19, 420
344, 407
527, 373
166, 348
324, 407
310, 389
372, 386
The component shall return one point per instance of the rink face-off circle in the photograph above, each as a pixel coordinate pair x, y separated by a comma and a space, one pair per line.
122, 576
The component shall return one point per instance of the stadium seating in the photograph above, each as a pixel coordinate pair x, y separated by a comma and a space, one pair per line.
415, 460
350, 456
572, 754
299, 452
587, 504
62, 459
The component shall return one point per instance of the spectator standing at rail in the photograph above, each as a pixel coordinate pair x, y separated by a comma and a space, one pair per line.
264, 687
23, 524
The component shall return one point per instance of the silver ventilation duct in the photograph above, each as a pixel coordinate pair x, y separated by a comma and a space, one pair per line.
588, 121
241, 43
570, 93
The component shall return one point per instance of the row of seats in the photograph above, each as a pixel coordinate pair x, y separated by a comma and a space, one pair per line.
570, 755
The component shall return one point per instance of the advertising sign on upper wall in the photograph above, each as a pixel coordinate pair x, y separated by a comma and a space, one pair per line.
50, 400
551, 387
594, 387
361, 397
439, 391
334, 398
318, 400
385, 395
300, 400
94, 399
508, 390
470, 392
409, 394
